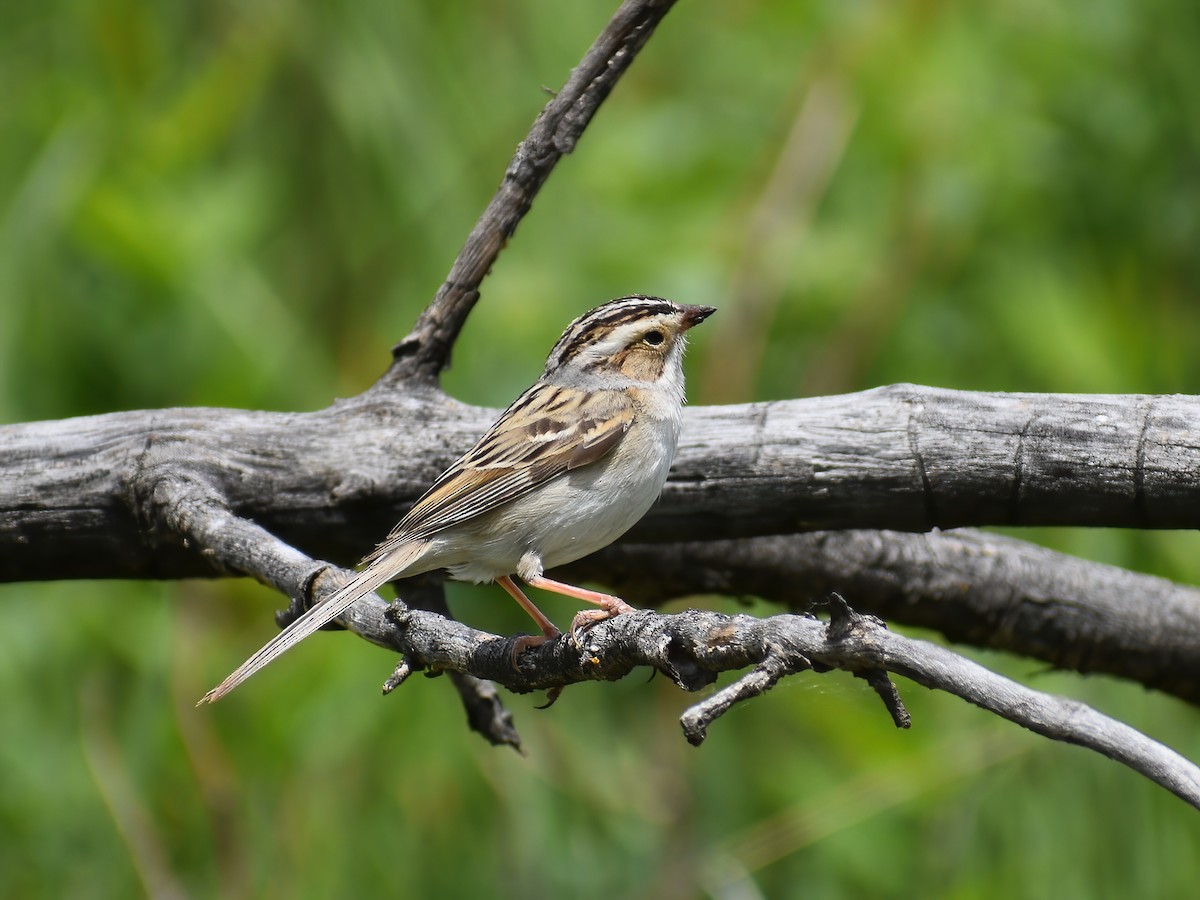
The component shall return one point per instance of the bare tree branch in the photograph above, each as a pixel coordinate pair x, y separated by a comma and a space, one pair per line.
975, 588
179, 493
486, 713
692, 647
921, 458
426, 350
77, 497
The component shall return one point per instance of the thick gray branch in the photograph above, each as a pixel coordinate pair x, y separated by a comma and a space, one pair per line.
915, 458
77, 496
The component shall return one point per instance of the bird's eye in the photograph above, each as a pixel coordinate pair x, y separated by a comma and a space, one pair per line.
654, 338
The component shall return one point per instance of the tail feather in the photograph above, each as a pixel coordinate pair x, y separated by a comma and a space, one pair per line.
377, 574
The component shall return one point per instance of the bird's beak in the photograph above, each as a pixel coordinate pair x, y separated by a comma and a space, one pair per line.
694, 315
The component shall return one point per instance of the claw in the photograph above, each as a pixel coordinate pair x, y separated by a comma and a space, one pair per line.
528, 642
610, 607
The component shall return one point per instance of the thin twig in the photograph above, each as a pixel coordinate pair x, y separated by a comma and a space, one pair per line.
486, 712
692, 647
426, 350
976, 588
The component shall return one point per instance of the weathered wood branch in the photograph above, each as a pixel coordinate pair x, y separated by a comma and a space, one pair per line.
692, 647
78, 497
121, 495
176, 493
974, 587
426, 350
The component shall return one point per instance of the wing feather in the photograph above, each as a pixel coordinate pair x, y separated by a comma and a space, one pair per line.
548, 431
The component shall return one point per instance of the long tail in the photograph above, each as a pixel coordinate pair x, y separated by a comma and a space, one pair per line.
379, 572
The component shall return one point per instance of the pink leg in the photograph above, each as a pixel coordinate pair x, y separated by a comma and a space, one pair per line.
609, 605
548, 628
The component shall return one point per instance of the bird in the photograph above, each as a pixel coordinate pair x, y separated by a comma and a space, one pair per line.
569, 467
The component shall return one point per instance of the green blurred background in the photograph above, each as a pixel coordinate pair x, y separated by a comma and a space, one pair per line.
245, 205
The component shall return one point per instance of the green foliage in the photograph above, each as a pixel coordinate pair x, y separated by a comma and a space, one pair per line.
247, 204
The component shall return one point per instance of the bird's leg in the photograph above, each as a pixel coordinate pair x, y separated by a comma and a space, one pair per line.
609, 605
549, 630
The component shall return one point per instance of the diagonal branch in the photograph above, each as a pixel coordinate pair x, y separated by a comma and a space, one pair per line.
692, 647
426, 350
975, 588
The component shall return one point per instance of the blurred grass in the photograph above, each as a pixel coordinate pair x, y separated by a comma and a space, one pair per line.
224, 204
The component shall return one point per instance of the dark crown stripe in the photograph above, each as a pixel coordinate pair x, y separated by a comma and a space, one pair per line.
584, 330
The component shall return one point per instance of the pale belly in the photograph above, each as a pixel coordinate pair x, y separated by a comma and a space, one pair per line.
567, 518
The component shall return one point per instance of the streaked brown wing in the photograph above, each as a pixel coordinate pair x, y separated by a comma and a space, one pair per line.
548, 431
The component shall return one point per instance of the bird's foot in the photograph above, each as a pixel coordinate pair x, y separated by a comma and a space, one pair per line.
609, 607
528, 642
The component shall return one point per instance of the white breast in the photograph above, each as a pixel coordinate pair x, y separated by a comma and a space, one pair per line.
573, 515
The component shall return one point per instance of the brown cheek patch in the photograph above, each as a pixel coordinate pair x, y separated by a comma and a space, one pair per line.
641, 366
